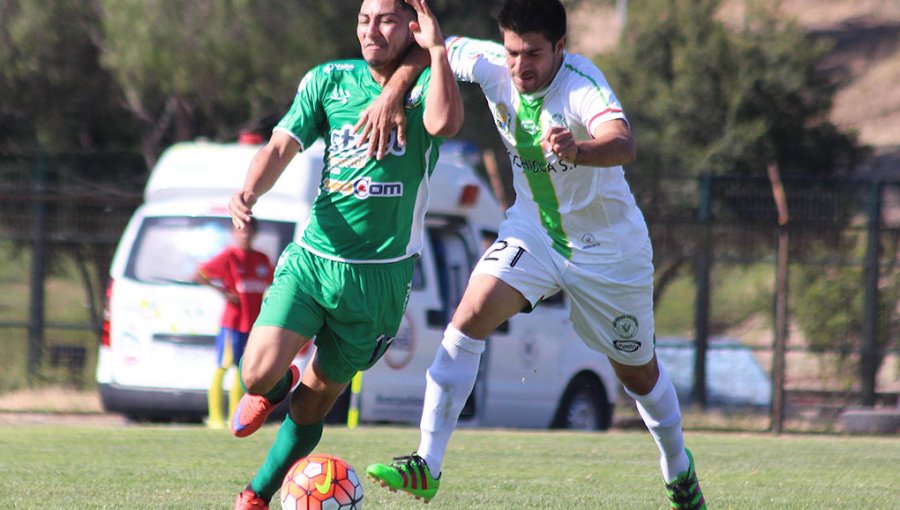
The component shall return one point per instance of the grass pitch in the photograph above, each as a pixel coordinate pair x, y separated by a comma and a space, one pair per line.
190, 467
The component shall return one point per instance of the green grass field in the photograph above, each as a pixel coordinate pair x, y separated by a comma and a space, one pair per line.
190, 467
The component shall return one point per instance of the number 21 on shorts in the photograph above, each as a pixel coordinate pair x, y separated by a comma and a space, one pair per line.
504, 253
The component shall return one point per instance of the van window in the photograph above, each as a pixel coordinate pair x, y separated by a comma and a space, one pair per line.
454, 259
168, 249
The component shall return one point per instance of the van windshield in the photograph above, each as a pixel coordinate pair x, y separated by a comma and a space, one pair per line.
168, 249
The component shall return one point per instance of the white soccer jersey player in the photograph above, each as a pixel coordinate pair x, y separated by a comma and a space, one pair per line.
573, 227
584, 212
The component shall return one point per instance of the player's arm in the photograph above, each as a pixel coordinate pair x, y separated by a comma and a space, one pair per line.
612, 144
443, 103
386, 112
265, 168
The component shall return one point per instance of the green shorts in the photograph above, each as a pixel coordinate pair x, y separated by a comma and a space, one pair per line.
352, 310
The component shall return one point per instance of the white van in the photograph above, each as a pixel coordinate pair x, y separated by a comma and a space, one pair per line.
157, 356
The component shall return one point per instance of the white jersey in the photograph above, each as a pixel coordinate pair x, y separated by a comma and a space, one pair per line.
584, 213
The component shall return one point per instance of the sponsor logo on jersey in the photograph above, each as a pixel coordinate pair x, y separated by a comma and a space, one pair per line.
589, 241
364, 188
344, 139
530, 126
328, 68
626, 326
626, 345
534, 166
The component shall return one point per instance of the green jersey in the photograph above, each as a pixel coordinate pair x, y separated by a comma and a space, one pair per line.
366, 210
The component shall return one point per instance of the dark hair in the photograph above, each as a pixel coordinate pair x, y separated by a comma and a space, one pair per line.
547, 17
403, 5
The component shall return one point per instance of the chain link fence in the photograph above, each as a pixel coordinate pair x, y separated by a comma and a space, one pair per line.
716, 245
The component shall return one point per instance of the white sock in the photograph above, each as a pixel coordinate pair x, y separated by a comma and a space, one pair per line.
662, 416
449, 381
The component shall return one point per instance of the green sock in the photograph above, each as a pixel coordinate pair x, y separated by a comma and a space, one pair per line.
292, 443
276, 394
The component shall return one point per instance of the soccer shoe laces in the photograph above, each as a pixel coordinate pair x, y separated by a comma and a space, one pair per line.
413, 469
684, 493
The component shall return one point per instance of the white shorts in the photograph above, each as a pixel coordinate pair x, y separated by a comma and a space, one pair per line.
611, 303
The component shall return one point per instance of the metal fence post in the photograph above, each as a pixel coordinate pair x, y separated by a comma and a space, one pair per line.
869, 356
703, 263
38, 270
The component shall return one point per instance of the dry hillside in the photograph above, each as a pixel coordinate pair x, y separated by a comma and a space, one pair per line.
866, 34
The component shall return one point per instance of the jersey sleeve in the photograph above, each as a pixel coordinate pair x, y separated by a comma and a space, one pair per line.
592, 99
305, 120
476, 60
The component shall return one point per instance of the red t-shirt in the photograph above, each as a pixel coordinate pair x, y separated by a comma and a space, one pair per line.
246, 273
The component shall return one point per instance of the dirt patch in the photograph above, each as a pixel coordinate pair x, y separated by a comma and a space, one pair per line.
51, 400
79, 419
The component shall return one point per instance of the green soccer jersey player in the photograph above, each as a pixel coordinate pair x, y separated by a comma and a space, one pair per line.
575, 228
347, 281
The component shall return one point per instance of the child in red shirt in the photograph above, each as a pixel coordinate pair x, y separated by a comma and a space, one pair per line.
242, 275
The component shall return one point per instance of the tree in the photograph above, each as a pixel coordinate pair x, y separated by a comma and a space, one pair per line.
53, 94
704, 98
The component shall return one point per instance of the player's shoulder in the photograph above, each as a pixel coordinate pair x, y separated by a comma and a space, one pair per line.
579, 71
579, 67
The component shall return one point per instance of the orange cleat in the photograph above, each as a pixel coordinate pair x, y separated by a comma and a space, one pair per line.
248, 500
252, 410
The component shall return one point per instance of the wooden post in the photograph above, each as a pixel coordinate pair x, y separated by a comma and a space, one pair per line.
781, 296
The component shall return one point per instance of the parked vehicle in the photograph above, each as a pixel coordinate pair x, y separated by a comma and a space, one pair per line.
157, 355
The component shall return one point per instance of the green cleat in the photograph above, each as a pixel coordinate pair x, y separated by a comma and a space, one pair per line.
408, 474
684, 492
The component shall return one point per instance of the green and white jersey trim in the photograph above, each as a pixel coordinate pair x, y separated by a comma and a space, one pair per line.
586, 213
367, 211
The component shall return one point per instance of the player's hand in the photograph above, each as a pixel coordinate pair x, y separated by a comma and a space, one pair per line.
240, 207
232, 297
560, 142
383, 115
426, 30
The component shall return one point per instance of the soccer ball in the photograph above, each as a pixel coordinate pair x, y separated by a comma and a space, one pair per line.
321, 482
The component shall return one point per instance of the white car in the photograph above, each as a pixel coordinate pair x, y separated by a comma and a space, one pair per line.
157, 354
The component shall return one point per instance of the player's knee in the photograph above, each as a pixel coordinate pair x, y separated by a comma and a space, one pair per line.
639, 380
256, 380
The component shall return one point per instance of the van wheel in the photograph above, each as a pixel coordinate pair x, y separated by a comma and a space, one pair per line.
584, 406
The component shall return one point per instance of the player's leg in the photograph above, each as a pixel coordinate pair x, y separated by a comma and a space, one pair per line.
301, 430
362, 318
289, 318
657, 403
486, 303
505, 281
612, 311
267, 375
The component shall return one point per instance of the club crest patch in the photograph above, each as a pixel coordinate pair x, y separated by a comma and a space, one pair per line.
502, 116
625, 326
